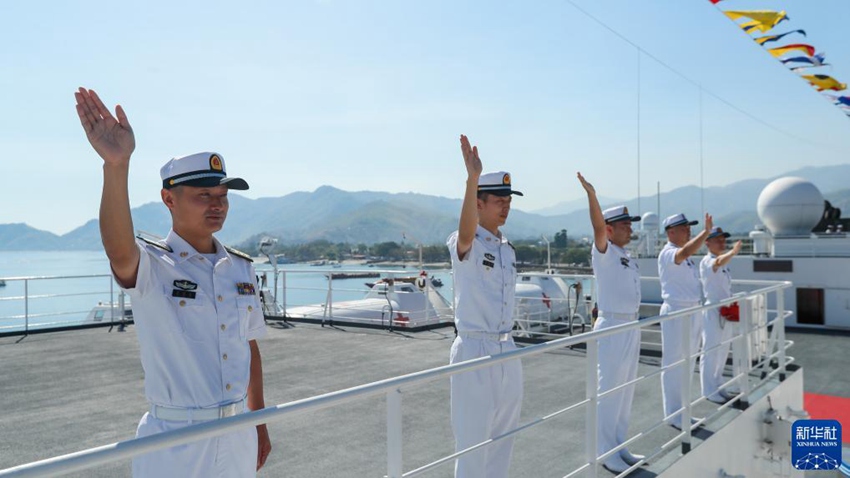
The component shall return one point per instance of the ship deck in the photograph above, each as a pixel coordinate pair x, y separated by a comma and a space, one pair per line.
72, 390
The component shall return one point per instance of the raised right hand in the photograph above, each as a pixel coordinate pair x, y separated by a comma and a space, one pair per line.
112, 139
470, 157
737, 247
586, 185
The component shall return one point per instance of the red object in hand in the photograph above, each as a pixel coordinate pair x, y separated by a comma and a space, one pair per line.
732, 313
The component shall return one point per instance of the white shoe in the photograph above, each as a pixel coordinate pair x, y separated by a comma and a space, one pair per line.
615, 464
631, 458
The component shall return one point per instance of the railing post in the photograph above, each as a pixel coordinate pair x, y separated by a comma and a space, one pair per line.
427, 298
111, 306
283, 291
745, 320
685, 389
26, 307
780, 336
592, 393
394, 434
329, 314
122, 308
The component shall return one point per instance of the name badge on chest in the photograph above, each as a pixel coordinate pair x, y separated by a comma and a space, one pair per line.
489, 260
184, 288
245, 288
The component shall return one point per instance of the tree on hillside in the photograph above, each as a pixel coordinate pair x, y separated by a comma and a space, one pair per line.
388, 250
560, 239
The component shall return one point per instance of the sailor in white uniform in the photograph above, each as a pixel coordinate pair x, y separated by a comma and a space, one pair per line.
618, 298
195, 303
680, 289
716, 285
485, 403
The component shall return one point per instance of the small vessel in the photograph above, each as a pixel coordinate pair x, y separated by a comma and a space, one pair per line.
105, 312
388, 304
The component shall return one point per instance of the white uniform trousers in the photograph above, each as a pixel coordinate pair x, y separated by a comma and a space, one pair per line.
618, 363
485, 404
233, 455
715, 330
672, 350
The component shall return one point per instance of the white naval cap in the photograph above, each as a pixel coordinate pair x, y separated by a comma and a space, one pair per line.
497, 183
617, 214
677, 220
202, 170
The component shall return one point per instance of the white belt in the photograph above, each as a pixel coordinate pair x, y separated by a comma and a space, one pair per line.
495, 337
616, 316
172, 414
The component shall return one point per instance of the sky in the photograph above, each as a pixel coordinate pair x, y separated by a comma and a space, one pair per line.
373, 95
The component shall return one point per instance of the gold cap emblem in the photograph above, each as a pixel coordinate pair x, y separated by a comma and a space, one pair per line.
215, 163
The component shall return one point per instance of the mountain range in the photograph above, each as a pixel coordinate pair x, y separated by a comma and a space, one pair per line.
371, 216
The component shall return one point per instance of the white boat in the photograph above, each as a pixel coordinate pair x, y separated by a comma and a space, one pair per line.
387, 304
546, 305
550, 304
106, 312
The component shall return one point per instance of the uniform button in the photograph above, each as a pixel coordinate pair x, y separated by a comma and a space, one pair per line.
227, 387
182, 303
220, 298
184, 254
223, 326
250, 308
224, 357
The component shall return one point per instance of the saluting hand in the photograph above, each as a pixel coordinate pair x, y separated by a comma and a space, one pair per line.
470, 157
112, 139
709, 222
586, 185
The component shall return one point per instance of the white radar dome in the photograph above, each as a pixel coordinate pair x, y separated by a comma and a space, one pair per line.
790, 206
649, 221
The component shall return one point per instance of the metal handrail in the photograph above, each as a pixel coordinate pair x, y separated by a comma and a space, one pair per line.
393, 388
28, 300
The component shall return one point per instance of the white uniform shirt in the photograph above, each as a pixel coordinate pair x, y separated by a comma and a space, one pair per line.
484, 283
717, 285
194, 320
679, 283
617, 280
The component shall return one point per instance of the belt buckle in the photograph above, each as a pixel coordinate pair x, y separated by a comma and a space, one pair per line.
227, 411
504, 337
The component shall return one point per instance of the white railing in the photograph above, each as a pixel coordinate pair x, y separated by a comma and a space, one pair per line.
745, 375
41, 303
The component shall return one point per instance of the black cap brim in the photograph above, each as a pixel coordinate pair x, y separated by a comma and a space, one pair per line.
231, 183
724, 234
501, 192
624, 217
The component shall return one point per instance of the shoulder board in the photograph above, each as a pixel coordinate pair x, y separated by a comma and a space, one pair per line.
512, 246
161, 245
239, 254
